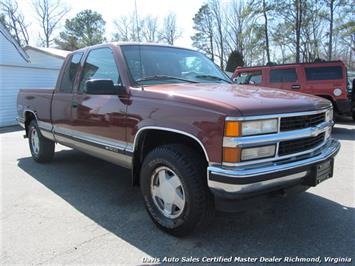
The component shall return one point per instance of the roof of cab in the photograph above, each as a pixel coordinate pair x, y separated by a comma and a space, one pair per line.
131, 43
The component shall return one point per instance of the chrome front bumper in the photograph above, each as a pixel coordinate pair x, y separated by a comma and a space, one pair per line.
231, 182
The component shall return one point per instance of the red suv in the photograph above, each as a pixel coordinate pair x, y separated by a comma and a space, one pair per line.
325, 79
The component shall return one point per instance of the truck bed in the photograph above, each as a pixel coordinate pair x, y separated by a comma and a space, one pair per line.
36, 100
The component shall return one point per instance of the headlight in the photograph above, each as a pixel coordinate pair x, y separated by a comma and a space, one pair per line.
258, 152
259, 127
337, 92
329, 115
249, 128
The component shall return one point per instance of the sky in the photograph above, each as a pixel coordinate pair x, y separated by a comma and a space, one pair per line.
111, 10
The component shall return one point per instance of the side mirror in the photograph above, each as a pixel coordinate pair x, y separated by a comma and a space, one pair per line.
100, 86
103, 87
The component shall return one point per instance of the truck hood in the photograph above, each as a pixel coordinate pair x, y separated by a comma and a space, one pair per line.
248, 100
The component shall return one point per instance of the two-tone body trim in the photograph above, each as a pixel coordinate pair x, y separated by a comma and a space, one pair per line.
105, 148
105, 143
46, 129
20, 121
74, 138
45, 126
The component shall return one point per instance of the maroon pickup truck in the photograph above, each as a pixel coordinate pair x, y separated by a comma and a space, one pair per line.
194, 141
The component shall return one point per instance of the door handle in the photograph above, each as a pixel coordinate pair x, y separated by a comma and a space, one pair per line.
295, 87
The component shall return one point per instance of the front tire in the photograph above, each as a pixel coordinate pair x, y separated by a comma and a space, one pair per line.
42, 149
174, 186
353, 115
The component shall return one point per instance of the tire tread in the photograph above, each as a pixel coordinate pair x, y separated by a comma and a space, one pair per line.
47, 146
186, 158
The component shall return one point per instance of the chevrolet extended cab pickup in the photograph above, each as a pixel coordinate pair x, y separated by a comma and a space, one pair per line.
194, 141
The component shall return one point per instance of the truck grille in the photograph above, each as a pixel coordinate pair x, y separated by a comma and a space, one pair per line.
300, 122
300, 145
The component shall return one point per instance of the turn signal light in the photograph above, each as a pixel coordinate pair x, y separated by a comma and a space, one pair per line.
232, 129
231, 155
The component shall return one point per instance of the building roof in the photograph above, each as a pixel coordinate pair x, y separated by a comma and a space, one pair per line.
8, 36
50, 51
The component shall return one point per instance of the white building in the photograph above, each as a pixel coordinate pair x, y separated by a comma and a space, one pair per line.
27, 68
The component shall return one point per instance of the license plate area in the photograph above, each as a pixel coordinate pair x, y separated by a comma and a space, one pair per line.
319, 173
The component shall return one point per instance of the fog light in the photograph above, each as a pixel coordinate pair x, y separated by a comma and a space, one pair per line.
258, 152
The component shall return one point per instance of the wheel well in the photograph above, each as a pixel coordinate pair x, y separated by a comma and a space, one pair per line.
152, 138
29, 116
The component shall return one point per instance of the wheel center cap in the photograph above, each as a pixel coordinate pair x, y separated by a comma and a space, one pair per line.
168, 192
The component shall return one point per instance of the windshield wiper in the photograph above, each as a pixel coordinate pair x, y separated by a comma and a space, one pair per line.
211, 77
164, 77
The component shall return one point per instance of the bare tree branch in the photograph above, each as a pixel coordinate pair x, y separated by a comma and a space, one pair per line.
149, 29
170, 31
49, 13
14, 21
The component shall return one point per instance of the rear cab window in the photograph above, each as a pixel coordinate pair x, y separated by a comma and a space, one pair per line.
324, 73
69, 74
283, 75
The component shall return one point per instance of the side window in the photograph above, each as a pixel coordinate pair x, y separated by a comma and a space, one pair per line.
69, 74
241, 78
324, 73
283, 75
100, 64
254, 77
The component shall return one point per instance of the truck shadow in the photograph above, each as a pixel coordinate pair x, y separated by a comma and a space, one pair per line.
343, 133
9, 129
343, 120
307, 225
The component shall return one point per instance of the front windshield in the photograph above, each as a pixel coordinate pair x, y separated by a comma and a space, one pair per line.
150, 65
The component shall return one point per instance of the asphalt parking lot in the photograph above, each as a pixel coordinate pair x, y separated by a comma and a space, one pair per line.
82, 210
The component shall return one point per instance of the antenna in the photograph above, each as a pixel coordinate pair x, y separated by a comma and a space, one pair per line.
137, 25
140, 63
139, 45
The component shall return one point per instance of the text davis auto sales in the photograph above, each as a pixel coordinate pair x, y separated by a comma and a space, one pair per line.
237, 259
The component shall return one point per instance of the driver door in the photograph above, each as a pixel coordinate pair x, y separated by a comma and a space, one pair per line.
98, 121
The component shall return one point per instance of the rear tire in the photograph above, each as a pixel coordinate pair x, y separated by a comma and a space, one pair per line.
42, 149
174, 185
353, 115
